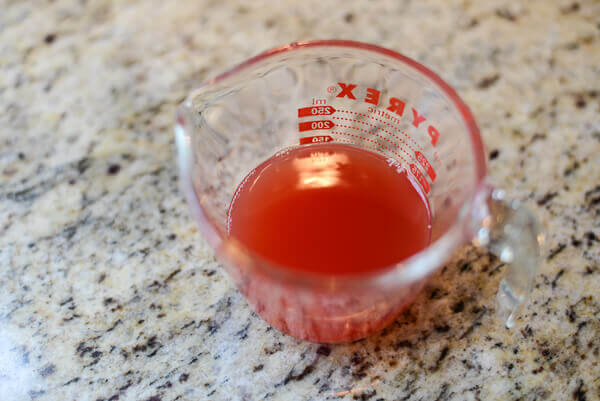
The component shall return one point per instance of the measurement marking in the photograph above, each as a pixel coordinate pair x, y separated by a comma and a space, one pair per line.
426, 165
369, 140
375, 126
420, 177
315, 111
315, 139
382, 129
388, 124
373, 133
315, 125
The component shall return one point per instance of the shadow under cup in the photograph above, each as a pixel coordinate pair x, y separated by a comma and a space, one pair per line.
399, 109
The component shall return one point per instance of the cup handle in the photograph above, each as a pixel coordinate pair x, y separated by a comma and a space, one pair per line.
512, 233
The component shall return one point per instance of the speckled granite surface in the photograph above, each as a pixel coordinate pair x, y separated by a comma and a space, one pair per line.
108, 292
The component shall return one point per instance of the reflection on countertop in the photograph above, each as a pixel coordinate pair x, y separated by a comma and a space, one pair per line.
110, 293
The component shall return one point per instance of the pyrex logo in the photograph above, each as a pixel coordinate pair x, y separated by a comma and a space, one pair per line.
394, 105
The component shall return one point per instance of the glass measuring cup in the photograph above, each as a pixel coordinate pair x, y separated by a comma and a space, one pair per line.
369, 97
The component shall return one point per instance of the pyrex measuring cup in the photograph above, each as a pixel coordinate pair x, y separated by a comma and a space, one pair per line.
373, 98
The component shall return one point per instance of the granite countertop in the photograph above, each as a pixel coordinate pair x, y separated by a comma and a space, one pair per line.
109, 292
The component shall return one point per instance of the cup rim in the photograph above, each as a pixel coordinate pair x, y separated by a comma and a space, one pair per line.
410, 268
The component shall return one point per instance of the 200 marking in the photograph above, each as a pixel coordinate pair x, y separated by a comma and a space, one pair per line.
320, 125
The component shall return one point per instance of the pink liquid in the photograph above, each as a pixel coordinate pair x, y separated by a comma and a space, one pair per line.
330, 209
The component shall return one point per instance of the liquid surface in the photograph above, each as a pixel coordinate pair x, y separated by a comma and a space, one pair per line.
330, 209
